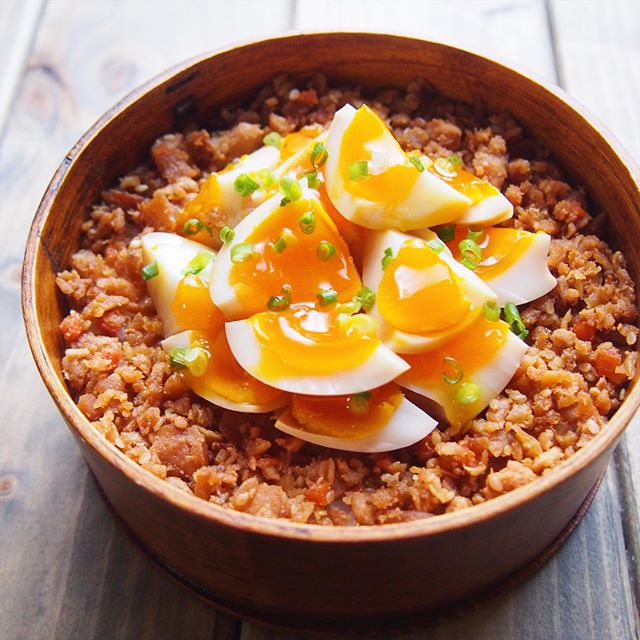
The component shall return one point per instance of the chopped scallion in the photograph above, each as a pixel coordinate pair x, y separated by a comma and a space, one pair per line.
241, 252
455, 366
387, 257
417, 163
278, 303
319, 155
198, 263
245, 185
308, 222
366, 298
193, 225
327, 296
265, 177
196, 359
150, 270
325, 250
358, 403
491, 311
436, 245
358, 169
467, 393
291, 191
447, 232
227, 235
471, 253
312, 179
273, 139
280, 244
513, 319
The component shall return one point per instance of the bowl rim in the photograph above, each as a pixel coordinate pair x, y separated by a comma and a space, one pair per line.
282, 528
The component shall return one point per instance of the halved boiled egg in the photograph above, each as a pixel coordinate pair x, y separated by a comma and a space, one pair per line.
213, 373
180, 289
281, 254
314, 352
297, 157
372, 421
423, 295
466, 372
513, 262
372, 182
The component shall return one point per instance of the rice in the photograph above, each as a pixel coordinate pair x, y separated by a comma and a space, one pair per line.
572, 378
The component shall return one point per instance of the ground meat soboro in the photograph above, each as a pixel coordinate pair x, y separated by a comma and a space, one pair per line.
572, 378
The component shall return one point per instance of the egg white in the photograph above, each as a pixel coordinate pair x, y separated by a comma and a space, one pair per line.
186, 339
489, 211
400, 341
407, 425
172, 253
430, 202
380, 367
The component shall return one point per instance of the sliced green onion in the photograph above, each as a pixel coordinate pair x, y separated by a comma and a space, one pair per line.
417, 163
512, 316
358, 403
241, 252
308, 222
448, 167
436, 245
273, 139
279, 245
358, 169
471, 253
196, 359
265, 177
278, 303
291, 190
312, 179
319, 155
349, 308
366, 298
198, 263
447, 232
325, 250
387, 257
227, 234
455, 160
475, 235
458, 373
245, 185
491, 310
150, 270
467, 393
193, 225
327, 296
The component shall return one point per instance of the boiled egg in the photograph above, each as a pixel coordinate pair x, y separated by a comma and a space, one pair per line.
372, 421
513, 262
465, 373
297, 157
282, 253
372, 182
423, 295
180, 287
313, 351
211, 371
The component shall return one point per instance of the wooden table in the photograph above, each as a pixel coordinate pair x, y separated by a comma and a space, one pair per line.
66, 569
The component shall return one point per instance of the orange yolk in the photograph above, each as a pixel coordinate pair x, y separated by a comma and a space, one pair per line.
467, 184
193, 307
419, 293
302, 340
225, 377
200, 208
501, 249
389, 186
296, 267
298, 140
472, 349
352, 416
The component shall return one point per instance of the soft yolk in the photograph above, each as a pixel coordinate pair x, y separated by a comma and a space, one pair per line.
467, 184
297, 266
200, 208
294, 142
391, 185
472, 349
303, 341
193, 308
225, 377
419, 293
352, 416
501, 249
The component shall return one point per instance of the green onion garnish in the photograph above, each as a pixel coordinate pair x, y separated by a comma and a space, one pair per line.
279, 245
196, 359
312, 179
273, 139
455, 160
458, 373
467, 393
358, 403
265, 177
325, 250
387, 257
278, 303
291, 191
415, 161
193, 225
436, 245
198, 263
308, 222
227, 234
448, 167
491, 311
327, 296
447, 232
150, 270
512, 316
358, 169
366, 298
319, 155
349, 308
471, 254
241, 252
286, 291
475, 235
245, 185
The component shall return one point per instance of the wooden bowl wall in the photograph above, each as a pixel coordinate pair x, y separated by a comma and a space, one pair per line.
275, 570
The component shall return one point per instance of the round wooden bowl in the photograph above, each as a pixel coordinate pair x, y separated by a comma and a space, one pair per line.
306, 575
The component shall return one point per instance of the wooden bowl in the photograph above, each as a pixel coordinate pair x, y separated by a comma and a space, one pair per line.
306, 575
